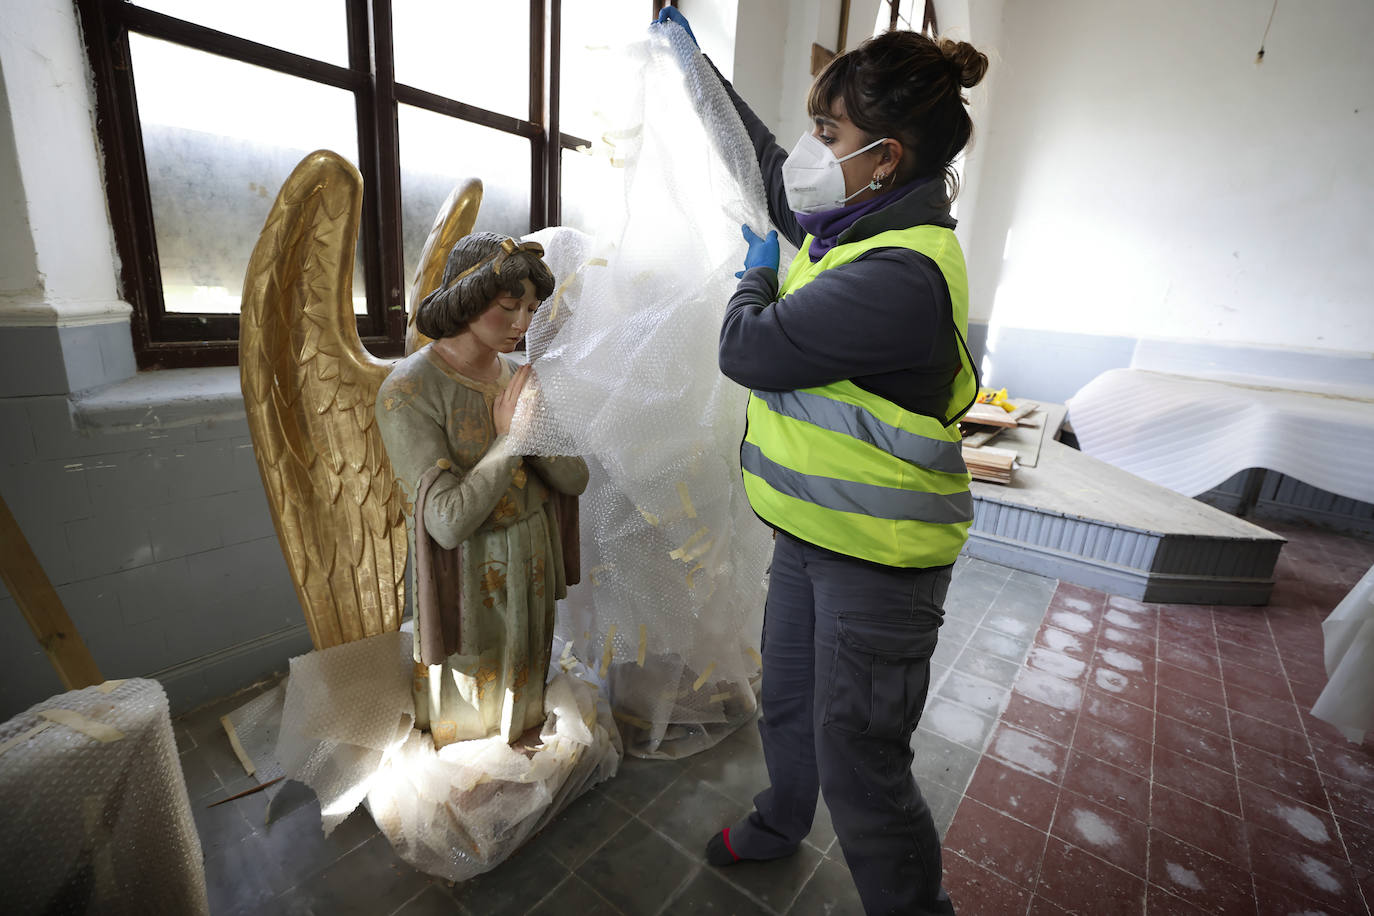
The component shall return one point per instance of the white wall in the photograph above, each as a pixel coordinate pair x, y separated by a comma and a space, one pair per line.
764, 48
18, 261
65, 226
1143, 177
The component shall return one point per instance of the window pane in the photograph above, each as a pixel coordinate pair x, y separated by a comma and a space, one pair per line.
437, 152
220, 138
314, 28
590, 28
475, 51
593, 192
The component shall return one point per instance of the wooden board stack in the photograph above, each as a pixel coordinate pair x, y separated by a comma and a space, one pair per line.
991, 464
982, 424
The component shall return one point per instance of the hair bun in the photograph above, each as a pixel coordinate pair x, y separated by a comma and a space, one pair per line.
966, 62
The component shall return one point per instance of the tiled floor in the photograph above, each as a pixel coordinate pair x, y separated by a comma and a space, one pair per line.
1160, 759
1103, 757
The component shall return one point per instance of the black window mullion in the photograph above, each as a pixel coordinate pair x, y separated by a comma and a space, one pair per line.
390, 315
365, 108
444, 105
554, 151
539, 144
211, 41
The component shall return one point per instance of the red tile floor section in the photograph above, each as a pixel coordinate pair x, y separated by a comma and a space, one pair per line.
1160, 759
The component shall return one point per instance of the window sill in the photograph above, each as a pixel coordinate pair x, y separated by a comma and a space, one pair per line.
166, 399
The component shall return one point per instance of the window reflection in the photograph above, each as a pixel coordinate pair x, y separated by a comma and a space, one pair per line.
220, 137
438, 152
474, 50
313, 28
590, 28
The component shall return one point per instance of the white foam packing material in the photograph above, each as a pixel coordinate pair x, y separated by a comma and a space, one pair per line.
456, 813
1347, 700
345, 709
461, 811
1191, 434
255, 726
673, 559
96, 816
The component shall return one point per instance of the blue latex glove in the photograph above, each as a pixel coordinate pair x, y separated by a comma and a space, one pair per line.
763, 252
672, 14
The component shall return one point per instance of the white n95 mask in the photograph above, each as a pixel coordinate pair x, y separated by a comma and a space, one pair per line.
813, 178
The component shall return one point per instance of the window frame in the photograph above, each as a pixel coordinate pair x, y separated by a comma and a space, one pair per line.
164, 340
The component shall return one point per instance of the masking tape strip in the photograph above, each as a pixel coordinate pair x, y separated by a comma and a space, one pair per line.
705, 676
610, 650
239, 752
625, 133
643, 644
754, 654
648, 516
24, 736
686, 498
110, 686
699, 551
681, 552
563, 287
636, 721
89, 727
721, 697
691, 575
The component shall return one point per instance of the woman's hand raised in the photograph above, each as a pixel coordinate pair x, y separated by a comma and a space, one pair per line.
503, 409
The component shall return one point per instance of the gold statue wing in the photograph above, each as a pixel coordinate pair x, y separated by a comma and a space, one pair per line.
309, 387
455, 220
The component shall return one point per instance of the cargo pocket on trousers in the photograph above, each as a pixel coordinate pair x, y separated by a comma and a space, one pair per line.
881, 675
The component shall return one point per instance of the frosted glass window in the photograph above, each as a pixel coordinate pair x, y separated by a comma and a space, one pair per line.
593, 191
475, 51
438, 152
589, 28
313, 28
220, 138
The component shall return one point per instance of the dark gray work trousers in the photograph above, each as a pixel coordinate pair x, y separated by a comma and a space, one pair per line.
846, 666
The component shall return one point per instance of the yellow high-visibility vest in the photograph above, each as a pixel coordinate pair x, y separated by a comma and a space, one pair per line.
848, 470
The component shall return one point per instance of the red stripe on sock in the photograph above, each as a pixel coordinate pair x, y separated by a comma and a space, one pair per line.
728, 848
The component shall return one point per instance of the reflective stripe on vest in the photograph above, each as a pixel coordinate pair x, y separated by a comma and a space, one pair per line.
852, 420
862, 498
851, 471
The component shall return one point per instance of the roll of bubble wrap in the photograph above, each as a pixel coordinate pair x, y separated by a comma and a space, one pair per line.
96, 817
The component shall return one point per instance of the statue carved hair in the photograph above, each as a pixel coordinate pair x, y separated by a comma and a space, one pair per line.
480, 268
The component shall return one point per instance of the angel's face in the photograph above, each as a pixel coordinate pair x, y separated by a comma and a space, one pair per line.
506, 320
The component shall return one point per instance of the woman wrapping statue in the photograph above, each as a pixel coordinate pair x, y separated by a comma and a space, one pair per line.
484, 526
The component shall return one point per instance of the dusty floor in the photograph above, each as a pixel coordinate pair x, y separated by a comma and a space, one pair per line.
1082, 753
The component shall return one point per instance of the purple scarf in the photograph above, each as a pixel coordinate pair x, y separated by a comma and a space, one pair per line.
826, 227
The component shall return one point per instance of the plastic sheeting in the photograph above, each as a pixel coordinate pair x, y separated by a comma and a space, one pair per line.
1347, 701
1190, 434
96, 818
673, 560
342, 723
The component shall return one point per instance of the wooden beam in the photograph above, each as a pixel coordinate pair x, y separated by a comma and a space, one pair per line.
820, 57
37, 599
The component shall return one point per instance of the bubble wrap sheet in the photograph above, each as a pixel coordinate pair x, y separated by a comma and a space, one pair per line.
673, 559
342, 723
1190, 434
96, 818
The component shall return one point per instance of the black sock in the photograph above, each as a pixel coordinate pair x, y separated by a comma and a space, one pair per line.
718, 852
